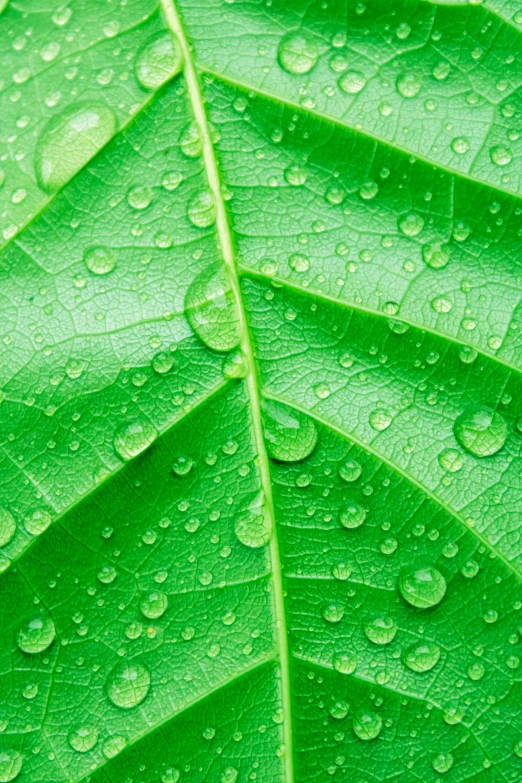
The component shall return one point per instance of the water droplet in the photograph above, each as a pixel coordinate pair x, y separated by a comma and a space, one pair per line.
253, 526
476, 671
235, 366
100, 260
352, 82
345, 663
128, 684
10, 765
388, 546
201, 211
158, 60
113, 745
162, 362
182, 465
352, 515
367, 725
442, 762
170, 776
470, 569
480, 430
289, 434
409, 84
69, 141
131, 439
7, 526
37, 522
211, 311
451, 460
421, 657
460, 145
296, 175
380, 419
107, 574
83, 738
299, 263
133, 630
74, 369
350, 470
422, 587
517, 748
139, 196
411, 224
30, 691
333, 613
467, 355
154, 605
36, 634
171, 180
230, 775
341, 571
297, 52
436, 255
380, 629
339, 709
501, 156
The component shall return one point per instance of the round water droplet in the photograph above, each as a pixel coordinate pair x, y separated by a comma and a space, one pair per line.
451, 460
380, 419
36, 634
421, 657
171, 180
422, 587
299, 263
211, 310
501, 156
352, 82
7, 526
128, 684
409, 84
253, 526
352, 515
289, 434
339, 709
83, 738
442, 762
131, 439
139, 197
182, 465
201, 211
113, 745
460, 145
296, 175
170, 776
100, 260
367, 725
158, 60
350, 470
470, 569
517, 747
37, 522
162, 363
133, 630
480, 430
10, 765
154, 605
230, 775
380, 629
411, 224
234, 366
107, 574
69, 141
388, 546
297, 52
436, 255
345, 663
333, 613
476, 671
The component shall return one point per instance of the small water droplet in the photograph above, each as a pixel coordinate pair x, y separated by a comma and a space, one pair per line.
501, 156
436, 255
476, 671
339, 709
480, 430
211, 311
182, 465
451, 460
411, 224
131, 439
421, 657
139, 197
460, 145
409, 84
470, 569
297, 52
350, 470
37, 522
170, 776
162, 362
128, 684
422, 587
380, 419
158, 60
36, 634
442, 762
107, 574
333, 612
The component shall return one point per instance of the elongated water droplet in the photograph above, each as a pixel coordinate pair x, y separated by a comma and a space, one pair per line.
211, 310
10, 765
100, 260
83, 738
352, 515
290, 435
297, 52
481, 431
158, 60
201, 211
133, 438
366, 724
422, 587
36, 634
253, 526
345, 663
154, 605
128, 684
7, 526
380, 629
421, 657
69, 141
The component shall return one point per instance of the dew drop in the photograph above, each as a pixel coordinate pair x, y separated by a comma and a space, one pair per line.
367, 725
333, 612
421, 657
158, 60
350, 470
481, 431
289, 434
409, 85
297, 52
139, 197
69, 141
442, 762
299, 263
171, 180
422, 587
380, 629
128, 684
113, 745
182, 465
460, 145
501, 156
100, 260
253, 526
107, 574
411, 224
436, 255
201, 211
131, 439
345, 663
296, 175
10, 765
154, 605
352, 82
170, 776
162, 363
470, 569
451, 460
37, 522
83, 738
476, 671
7, 526
380, 419
352, 516
211, 311
36, 634
339, 709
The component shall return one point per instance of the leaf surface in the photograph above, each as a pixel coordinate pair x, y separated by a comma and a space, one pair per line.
261, 392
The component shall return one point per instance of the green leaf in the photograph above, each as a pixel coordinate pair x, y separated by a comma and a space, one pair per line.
261, 396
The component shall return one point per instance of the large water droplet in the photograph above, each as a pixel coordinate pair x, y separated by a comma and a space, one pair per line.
69, 141
366, 724
7, 526
154, 605
36, 634
352, 515
83, 738
158, 60
201, 211
100, 260
421, 657
128, 684
131, 439
253, 526
10, 765
480, 430
422, 587
297, 52
501, 156
380, 629
289, 434
211, 310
